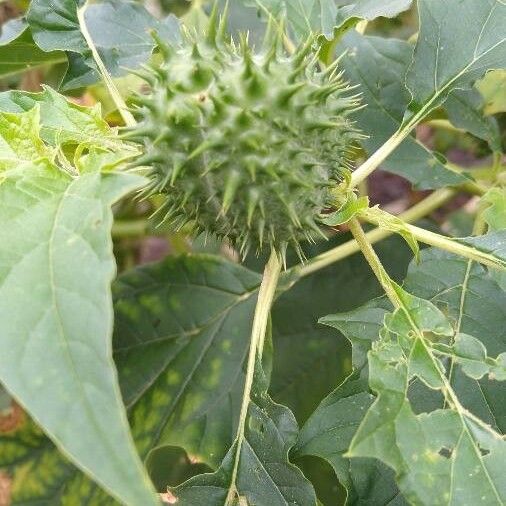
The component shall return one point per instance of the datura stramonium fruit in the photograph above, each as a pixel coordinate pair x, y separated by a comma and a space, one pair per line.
244, 145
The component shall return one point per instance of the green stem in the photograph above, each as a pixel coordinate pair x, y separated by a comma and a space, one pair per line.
374, 262
379, 156
418, 211
260, 321
448, 244
109, 83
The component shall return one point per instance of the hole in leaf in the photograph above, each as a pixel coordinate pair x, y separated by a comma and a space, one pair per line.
484, 452
446, 452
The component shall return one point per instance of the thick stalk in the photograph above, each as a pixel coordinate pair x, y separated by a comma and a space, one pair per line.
451, 245
379, 156
418, 211
260, 321
109, 83
374, 262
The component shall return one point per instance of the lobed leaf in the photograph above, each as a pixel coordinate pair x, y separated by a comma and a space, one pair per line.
61, 121
328, 17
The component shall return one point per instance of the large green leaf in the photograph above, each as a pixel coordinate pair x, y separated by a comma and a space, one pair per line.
56, 253
264, 473
475, 304
18, 51
328, 16
378, 66
439, 457
453, 51
181, 336
119, 29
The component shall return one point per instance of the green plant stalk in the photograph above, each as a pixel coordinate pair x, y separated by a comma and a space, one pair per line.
418, 211
379, 156
260, 322
450, 245
374, 262
109, 83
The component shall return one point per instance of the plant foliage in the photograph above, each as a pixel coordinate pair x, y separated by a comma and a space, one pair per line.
250, 377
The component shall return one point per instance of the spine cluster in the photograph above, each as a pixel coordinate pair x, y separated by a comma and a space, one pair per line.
244, 145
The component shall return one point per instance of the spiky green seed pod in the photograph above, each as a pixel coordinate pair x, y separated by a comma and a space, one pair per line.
244, 145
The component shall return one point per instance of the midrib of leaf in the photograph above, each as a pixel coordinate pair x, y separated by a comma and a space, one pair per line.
89, 408
463, 296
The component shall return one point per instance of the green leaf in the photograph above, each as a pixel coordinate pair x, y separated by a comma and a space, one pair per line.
443, 456
465, 110
378, 66
182, 329
361, 327
476, 305
56, 252
495, 213
181, 338
20, 140
62, 121
264, 473
328, 433
120, 30
453, 51
20, 53
493, 89
346, 212
324, 16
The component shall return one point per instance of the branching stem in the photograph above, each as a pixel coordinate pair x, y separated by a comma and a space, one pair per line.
418, 211
450, 245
